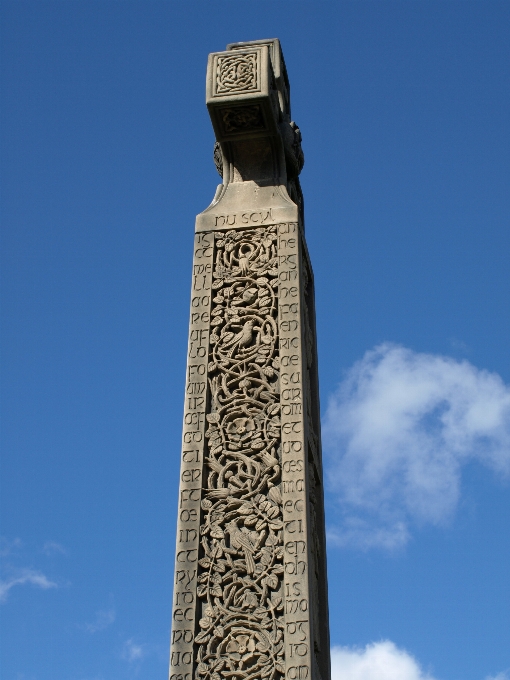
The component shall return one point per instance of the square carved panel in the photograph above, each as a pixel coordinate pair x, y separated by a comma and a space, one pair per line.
237, 73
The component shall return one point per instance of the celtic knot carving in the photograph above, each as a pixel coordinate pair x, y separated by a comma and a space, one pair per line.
242, 118
240, 582
237, 73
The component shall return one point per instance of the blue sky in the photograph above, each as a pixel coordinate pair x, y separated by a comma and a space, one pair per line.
106, 160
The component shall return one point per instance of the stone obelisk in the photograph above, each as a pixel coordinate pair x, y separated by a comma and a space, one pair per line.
250, 589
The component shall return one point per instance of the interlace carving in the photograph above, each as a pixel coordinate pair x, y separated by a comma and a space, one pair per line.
242, 118
237, 73
240, 582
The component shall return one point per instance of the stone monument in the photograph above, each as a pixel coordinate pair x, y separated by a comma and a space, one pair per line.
250, 588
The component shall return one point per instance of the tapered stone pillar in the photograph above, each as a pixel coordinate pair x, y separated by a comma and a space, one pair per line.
250, 588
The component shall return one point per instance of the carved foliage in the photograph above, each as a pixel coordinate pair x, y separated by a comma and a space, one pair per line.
240, 582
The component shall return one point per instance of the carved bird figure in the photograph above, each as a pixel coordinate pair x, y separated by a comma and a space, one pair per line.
240, 541
249, 295
241, 339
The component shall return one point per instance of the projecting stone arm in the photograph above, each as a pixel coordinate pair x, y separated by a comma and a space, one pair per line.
248, 98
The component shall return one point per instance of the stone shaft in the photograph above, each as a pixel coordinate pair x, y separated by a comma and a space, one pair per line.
250, 588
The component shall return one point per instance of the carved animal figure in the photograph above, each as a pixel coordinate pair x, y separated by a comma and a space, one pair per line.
240, 541
241, 339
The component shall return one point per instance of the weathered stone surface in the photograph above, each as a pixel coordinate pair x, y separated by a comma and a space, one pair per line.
250, 589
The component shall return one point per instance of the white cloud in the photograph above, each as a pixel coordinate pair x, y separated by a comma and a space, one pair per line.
52, 547
133, 651
104, 618
377, 661
500, 676
25, 576
397, 432
7, 547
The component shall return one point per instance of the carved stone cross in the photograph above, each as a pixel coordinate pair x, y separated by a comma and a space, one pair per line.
250, 589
